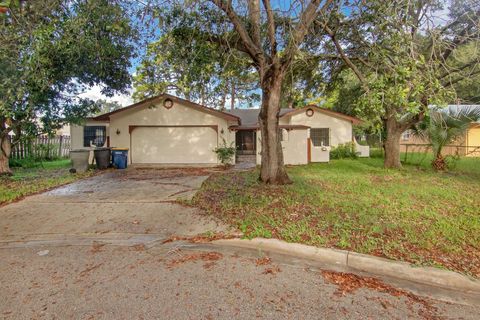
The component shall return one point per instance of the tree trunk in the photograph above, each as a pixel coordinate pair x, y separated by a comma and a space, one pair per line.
392, 143
439, 162
223, 100
232, 98
272, 170
5, 149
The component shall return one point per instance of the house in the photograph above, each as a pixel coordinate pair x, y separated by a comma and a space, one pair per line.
468, 145
169, 130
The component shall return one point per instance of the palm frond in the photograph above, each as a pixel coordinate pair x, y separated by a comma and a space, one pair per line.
443, 126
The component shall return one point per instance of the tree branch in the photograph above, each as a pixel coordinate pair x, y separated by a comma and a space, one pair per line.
271, 27
253, 51
306, 20
451, 83
459, 69
345, 58
254, 16
460, 39
236, 44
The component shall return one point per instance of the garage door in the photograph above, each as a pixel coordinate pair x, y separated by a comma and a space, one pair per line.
173, 145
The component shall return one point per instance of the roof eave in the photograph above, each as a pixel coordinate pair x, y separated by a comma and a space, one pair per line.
224, 115
353, 120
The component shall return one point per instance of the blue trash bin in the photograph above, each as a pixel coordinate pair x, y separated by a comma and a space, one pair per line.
120, 158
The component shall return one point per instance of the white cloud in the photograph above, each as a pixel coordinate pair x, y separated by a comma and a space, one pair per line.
95, 93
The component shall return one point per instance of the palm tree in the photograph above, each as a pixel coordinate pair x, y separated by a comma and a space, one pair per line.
443, 127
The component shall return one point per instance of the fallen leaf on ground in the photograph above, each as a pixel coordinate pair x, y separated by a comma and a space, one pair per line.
89, 269
97, 247
263, 261
272, 270
349, 282
139, 247
202, 238
204, 256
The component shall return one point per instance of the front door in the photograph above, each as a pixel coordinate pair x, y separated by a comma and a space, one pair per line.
246, 142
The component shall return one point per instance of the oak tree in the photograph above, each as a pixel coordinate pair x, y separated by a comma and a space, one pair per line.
51, 50
405, 58
271, 35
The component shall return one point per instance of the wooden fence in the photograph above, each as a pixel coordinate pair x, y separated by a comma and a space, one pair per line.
454, 150
42, 147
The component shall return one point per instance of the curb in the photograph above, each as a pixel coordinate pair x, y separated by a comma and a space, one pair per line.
361, 262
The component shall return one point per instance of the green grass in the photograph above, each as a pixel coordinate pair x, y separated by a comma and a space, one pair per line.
413, 214
424, 160
26, 181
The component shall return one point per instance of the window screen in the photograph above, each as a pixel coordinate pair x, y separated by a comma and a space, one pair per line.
320, 136
94, 135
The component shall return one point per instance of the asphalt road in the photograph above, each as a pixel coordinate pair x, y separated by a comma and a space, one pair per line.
173, 282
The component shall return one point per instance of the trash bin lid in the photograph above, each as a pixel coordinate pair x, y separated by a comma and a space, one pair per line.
120, 149
102, 149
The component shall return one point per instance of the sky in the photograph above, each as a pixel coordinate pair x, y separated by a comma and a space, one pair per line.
94, 93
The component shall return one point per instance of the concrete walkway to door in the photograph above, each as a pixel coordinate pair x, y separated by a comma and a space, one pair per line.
119, 205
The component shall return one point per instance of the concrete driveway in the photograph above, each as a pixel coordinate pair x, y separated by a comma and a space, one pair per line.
135, 205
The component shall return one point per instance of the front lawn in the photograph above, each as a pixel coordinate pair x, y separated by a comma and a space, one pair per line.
413, 214
31, 180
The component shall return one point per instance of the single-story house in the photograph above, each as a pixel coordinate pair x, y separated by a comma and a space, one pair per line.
468, 145
169, 130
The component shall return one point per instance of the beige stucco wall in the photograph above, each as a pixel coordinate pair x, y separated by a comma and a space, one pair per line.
158, 115
76, 136
340, 129
320, 154
294, 146
76, 133
295, 150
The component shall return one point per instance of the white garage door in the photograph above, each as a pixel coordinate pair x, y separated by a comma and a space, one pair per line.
173, 145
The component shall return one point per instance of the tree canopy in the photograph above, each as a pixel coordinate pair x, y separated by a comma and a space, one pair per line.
50, 51
195, 69
404, 60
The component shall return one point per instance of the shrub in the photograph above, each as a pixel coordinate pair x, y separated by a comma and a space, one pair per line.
225, 153
343, 151
29, 162
45, 151
376, 153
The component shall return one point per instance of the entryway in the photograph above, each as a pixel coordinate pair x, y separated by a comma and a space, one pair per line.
246, 145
